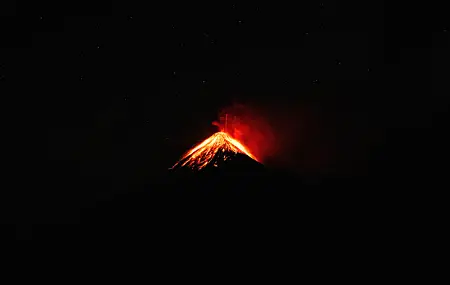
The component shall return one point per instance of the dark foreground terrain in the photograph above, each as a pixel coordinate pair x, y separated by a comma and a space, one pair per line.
220, 203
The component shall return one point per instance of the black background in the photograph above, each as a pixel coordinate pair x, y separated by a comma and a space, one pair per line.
114, 94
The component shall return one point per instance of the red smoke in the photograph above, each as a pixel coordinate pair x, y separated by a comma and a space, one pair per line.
281, 135
249, 126
306, 138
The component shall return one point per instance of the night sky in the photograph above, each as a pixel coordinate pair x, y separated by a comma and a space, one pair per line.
119, 92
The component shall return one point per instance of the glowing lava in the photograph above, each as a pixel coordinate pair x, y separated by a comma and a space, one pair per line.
219, 146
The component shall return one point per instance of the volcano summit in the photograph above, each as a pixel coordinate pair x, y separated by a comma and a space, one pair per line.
216, 151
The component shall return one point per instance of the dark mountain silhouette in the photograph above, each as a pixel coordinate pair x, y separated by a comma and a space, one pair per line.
238, 197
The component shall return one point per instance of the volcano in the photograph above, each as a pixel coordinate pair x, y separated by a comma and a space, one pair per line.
219, 151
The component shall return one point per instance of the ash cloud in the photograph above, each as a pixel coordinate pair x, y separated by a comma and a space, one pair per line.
307, 137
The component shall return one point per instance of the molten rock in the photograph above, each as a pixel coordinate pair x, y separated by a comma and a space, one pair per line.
216, 151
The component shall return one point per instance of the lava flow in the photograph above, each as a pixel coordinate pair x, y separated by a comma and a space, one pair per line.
219, 146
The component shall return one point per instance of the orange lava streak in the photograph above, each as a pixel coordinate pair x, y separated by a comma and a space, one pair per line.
205, 152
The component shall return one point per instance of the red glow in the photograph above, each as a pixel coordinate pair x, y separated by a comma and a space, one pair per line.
250, 128
218, 145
